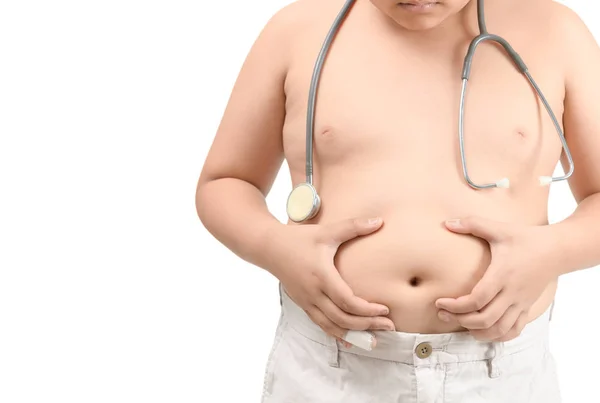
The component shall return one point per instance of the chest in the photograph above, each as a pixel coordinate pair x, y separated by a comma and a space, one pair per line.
376, 98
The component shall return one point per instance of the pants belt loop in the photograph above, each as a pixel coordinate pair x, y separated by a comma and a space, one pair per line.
494, 365
333, 354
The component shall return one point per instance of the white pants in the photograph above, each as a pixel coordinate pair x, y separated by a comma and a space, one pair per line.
308, 366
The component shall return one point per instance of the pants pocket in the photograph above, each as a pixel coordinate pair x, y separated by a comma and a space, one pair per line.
551, 379
269, 370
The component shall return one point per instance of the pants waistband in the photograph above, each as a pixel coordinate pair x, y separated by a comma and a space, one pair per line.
401, 347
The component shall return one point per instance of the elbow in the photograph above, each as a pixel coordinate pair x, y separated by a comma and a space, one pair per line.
200, 201
205, 198
201, 198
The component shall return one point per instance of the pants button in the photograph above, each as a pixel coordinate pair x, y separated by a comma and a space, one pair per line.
423, 350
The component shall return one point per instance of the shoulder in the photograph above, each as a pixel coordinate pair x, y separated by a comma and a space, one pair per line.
304, 16
574, 40
300, 15
271, 48
296, 27
297, 20
568, 26
547, 16
562, 32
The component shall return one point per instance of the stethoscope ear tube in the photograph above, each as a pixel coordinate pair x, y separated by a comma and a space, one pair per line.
304, 202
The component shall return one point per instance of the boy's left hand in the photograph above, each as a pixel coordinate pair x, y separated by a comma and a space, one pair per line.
520, 269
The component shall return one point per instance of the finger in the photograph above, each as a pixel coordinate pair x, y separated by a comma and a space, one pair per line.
362, 339
481, 295
344, 342
483, 319
332, 329
480, 227
518, 327
337, 233
321, 320
341, 294
353, 322
501, 327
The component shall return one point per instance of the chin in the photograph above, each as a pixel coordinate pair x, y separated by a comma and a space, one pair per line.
421, 24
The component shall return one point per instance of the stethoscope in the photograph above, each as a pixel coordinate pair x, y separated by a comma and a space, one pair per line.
304, 202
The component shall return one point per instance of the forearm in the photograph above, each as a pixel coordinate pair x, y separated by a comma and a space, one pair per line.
236, 214
575, 241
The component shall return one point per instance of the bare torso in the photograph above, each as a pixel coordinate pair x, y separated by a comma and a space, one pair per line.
386, 144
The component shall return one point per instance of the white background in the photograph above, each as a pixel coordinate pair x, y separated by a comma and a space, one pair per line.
110, 288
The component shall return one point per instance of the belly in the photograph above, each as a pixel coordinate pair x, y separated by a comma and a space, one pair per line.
409, 262
412, 260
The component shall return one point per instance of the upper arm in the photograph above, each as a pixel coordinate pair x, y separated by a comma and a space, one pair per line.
248, 143
582, 103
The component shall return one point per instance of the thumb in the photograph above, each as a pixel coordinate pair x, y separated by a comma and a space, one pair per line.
480, 227
346, 230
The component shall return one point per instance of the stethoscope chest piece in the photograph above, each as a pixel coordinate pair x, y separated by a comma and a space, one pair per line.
303, 203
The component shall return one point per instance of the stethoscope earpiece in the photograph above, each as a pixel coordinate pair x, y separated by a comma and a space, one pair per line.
303, 203
545, 180
503, 183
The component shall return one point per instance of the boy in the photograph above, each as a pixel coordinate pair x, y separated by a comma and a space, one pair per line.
451, 285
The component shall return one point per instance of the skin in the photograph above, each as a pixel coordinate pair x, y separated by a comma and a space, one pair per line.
386, 145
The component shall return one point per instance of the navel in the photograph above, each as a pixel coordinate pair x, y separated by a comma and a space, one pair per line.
415, 281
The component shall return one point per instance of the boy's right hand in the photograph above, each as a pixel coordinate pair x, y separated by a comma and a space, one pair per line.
305, 267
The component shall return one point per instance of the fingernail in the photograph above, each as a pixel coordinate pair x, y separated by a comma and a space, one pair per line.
374, 221
385, 311
444, 316
344, 342
455, 222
